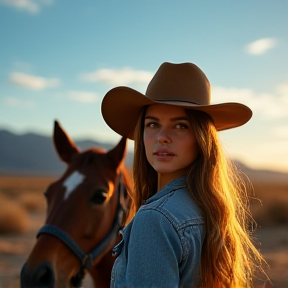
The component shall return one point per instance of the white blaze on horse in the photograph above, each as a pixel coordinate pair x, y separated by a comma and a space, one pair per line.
86, 208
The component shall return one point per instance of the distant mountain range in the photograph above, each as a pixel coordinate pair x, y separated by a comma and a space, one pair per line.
32, 154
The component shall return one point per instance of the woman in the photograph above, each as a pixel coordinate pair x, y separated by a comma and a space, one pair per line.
189, 214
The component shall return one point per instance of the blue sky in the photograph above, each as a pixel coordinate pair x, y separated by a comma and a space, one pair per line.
59, 58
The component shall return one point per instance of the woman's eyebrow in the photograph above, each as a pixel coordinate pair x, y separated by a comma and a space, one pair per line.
152, 118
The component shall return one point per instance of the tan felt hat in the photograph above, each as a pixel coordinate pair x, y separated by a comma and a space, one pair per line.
184, 85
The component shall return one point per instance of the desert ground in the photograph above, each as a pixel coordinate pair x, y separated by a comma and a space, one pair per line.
23, 209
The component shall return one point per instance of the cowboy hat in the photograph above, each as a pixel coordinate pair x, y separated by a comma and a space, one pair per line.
184, 85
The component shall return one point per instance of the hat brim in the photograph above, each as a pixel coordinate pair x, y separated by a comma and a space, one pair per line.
121, 108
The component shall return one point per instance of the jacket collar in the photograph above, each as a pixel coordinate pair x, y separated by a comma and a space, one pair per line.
171, 186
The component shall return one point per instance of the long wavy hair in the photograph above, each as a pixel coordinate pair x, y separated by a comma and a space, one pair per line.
228, 257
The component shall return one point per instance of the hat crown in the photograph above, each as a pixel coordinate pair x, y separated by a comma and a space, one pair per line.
180, 82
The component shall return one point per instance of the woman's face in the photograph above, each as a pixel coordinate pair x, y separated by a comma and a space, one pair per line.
169, 140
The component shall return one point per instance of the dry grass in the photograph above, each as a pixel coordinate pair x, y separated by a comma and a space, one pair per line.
22, 184
272, 207
26, 195
19, 198
13, 217
32, 202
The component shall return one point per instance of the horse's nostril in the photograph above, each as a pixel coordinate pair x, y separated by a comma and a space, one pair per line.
77, 280
41, 277
44, 277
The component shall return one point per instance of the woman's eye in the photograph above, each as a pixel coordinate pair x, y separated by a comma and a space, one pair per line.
99, 196
151, 125
181, 126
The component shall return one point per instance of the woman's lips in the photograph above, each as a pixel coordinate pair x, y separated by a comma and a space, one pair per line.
163, 154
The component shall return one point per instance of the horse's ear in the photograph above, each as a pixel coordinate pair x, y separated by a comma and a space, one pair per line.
65, 147
118, 153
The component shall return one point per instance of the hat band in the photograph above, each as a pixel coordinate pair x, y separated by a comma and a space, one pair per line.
170, 100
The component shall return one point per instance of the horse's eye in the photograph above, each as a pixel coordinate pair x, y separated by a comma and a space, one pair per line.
99, 197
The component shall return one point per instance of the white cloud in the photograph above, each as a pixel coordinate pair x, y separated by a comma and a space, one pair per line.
261, 46
32, 6
82, 96
33, 82
124, 76
16, 102
268, 106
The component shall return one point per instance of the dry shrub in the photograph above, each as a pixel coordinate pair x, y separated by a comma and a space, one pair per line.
26, 190
32, 202
13, 217
272, 207
15, 184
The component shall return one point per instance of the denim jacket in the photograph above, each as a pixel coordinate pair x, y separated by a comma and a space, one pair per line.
161, 246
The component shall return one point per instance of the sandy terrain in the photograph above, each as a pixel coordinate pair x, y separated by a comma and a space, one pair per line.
14, 249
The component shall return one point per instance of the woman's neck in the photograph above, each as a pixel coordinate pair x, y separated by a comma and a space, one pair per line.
165, 178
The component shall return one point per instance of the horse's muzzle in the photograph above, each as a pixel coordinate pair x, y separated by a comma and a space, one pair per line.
40, 277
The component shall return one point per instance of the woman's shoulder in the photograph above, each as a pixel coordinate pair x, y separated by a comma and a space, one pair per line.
179, 207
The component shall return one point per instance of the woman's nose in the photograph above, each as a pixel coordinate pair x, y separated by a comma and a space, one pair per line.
163, 137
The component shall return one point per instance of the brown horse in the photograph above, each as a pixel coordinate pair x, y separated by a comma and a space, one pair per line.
86, 208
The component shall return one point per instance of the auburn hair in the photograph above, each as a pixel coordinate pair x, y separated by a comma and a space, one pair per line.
228, 257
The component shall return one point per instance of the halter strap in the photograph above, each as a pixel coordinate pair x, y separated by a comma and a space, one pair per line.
65, 238
88, 259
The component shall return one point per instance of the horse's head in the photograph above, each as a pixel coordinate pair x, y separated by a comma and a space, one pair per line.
84, 214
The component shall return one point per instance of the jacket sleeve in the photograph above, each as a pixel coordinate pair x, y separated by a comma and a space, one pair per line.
154, 251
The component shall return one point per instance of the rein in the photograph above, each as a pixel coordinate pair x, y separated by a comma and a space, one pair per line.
87, 259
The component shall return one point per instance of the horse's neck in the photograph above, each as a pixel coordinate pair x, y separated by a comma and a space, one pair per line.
101, 273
